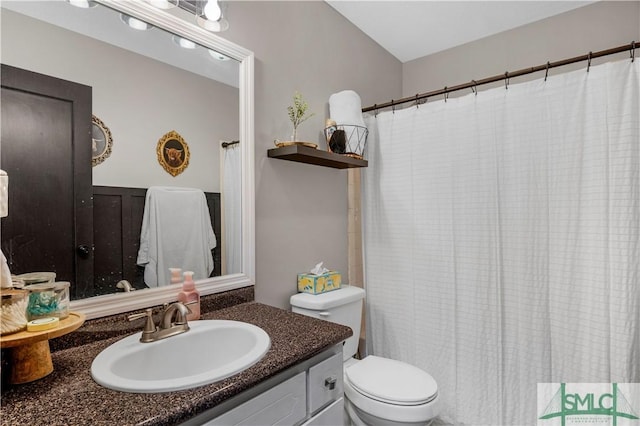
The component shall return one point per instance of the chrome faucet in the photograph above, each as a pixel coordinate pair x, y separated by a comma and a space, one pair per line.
173, 321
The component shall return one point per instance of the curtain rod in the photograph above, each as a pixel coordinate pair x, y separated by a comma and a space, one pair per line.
507, 75
226, 144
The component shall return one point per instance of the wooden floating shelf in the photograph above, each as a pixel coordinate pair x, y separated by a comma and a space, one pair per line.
304, 154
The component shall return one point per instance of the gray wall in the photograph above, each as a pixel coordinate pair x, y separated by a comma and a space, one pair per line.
301, 210
598, 26
138, 110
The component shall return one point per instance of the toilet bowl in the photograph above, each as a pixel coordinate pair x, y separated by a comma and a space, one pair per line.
378, 391
381, 391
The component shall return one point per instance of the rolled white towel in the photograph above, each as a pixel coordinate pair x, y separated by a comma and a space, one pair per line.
346, 108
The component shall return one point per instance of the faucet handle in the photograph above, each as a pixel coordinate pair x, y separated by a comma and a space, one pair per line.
149, 326
134, 317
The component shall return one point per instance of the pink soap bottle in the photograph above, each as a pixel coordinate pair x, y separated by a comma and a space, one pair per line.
176, 275
189, 294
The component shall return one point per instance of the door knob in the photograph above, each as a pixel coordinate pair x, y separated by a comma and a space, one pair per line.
83, 251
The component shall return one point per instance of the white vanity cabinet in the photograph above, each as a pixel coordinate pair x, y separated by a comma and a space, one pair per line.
309, 393
285, 403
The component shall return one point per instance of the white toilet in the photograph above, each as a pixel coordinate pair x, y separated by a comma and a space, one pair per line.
378, 391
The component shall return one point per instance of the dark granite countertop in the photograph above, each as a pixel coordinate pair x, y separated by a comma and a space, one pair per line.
69, 396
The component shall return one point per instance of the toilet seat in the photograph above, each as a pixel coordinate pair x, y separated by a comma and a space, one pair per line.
392, 382
391, 389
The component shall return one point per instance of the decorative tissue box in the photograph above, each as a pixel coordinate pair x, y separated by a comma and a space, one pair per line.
316, 284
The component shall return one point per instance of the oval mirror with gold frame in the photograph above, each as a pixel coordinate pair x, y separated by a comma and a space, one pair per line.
173, 153
101, 141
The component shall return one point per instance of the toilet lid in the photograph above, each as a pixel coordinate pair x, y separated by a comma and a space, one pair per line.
392, 382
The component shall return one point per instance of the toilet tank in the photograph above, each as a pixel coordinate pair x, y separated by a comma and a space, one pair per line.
343, 306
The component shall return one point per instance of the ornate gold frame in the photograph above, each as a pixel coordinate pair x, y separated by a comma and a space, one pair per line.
100, 152
173, 153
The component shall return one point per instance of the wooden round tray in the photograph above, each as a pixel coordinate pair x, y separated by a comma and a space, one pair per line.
29, 354
67, 325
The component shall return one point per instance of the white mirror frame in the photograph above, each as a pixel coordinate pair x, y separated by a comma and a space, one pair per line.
100, 306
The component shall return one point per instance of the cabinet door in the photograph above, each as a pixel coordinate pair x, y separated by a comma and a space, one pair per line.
46, 151
325, 382
285, 404
333, 415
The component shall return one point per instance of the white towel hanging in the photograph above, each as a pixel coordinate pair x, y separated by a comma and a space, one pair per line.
176, 232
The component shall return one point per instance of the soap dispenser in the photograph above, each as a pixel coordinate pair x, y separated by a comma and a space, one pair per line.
176, 275
190, 295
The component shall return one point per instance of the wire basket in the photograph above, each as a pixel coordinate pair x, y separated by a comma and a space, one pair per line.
347, 139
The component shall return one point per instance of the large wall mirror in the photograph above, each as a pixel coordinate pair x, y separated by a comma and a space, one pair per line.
174, 77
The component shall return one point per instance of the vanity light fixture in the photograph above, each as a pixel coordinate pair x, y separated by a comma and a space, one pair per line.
134, 23
183, 42
209, 16
85, 4
219, 56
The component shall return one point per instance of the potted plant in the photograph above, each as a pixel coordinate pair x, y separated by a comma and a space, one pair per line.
298, 113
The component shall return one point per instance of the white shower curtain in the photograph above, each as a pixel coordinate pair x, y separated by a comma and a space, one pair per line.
232, 209
502, 240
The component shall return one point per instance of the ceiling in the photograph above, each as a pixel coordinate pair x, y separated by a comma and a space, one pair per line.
410, 29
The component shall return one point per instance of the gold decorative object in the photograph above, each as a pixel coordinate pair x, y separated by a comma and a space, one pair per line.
173, 153
101, 141
280, 144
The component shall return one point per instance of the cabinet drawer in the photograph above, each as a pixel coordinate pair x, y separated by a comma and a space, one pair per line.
325, 383
285, 404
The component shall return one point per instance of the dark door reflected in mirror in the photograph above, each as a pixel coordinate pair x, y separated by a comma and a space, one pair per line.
42, 120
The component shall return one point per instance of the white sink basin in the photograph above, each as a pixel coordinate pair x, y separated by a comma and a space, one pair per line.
210, 351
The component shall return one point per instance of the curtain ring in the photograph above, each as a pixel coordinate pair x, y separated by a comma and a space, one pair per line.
417, 102
446, 94
506, 80
393, 106
589, 61
546, 73
633, 51
473, 88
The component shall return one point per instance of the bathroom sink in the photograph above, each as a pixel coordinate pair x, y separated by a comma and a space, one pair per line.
210, 351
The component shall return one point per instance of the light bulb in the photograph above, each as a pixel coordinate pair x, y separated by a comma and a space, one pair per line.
212, 10
183, 42
134, 23
85, 4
